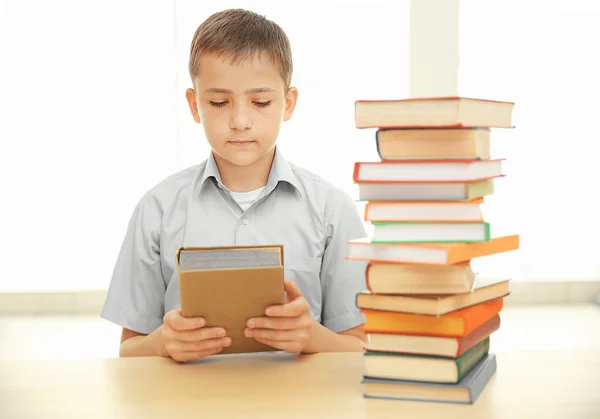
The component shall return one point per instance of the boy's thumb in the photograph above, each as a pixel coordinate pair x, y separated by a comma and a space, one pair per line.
291, 289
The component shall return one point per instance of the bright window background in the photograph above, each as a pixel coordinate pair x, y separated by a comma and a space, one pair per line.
543, 56
87, 124
92, 114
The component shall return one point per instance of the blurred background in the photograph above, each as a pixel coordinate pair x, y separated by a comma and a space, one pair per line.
93, 114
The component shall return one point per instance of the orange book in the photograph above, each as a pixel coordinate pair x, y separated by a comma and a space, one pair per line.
432, 253
457, 323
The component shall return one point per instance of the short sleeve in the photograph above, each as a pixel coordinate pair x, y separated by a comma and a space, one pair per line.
135, 297
341, 279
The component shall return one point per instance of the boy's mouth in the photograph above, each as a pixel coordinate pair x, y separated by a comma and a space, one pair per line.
241, 142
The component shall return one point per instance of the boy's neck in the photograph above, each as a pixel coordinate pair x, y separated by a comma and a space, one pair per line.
245, 178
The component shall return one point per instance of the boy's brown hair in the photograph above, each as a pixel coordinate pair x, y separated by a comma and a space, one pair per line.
238, 35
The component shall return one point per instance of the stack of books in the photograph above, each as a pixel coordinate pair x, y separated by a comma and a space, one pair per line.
428, 314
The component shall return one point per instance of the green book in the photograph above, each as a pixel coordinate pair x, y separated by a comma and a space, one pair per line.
430, 232
426, 368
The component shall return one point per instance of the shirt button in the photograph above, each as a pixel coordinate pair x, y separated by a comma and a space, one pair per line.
245, 221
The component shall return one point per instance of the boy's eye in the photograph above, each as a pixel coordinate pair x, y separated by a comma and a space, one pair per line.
218, 104
263, 104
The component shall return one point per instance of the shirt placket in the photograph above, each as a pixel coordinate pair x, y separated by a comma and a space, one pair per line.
244, 231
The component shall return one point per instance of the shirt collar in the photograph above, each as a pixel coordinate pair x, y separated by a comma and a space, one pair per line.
281, 171
211, 171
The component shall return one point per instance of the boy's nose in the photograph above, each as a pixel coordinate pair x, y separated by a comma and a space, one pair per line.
240, 120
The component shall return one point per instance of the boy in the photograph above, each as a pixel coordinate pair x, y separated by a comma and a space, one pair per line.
244, 193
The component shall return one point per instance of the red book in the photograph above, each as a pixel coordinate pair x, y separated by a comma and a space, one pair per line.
451, 347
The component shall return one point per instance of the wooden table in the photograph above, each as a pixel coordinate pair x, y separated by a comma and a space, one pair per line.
528, 384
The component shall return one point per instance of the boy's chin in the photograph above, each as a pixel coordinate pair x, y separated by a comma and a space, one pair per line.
242, 157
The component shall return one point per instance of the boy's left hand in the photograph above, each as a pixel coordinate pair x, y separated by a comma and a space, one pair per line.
287, 327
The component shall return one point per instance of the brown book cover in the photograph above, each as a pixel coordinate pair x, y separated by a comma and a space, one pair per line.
228, 296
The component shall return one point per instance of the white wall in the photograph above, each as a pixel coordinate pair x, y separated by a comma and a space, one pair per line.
87, 124
543, 56
92, 114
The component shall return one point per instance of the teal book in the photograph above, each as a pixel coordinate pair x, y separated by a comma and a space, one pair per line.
430, 232
466, 391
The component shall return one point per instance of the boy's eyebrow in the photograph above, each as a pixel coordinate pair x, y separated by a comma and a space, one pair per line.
253, 90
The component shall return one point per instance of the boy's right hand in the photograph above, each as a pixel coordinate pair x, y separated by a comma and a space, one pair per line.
186, 339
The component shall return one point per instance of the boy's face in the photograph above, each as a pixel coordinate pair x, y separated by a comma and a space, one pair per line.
241, 106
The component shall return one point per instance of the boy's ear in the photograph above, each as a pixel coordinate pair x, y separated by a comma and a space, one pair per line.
190, 96
290, 103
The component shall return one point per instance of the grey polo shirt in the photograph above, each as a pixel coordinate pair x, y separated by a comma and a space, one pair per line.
310, 217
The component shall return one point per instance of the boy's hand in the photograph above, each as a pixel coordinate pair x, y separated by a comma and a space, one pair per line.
186, 339
287, 327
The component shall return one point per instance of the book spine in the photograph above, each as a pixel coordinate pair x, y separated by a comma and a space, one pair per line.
482, 332
489, 365
377, 145
466, 362
367, 270
355, 174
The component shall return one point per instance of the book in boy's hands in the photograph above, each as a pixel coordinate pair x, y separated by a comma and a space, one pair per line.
227, 285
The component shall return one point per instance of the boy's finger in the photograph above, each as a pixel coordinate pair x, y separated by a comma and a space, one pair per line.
275, 344
204, 345
278, 323
208, 352
276, 335
178, 322
293, 309
201, 334
193, 355
291, 289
